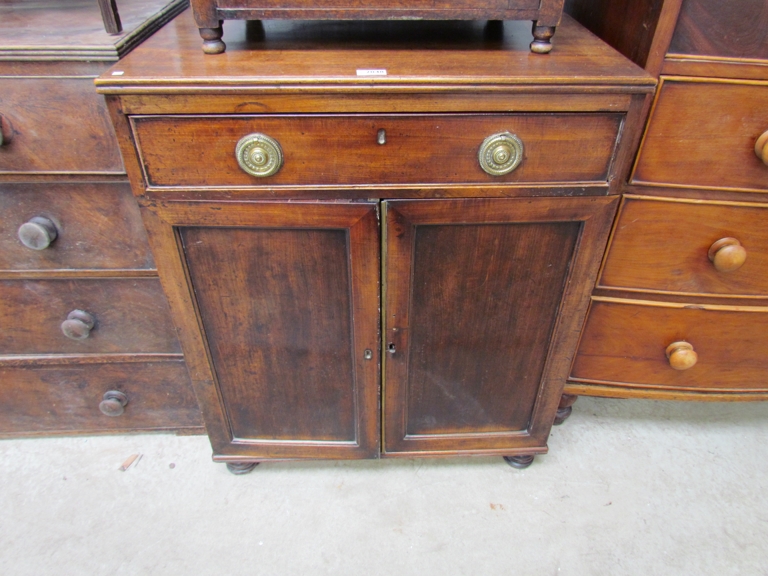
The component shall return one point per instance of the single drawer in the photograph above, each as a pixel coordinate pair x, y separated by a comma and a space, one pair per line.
705, 134
50, 399
626, 342
198, 151
688, 247
56, 125
71, 226
53, 317
728, 30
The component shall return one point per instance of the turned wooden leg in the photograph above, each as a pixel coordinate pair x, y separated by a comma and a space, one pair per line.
241, 467
519, 462
565, 408
212, 43
541, 38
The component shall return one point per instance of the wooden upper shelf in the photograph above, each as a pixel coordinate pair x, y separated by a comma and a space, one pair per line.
437, 54
43, 30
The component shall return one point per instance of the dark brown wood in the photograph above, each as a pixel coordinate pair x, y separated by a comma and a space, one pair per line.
71, 133
75, 29
98, 227
473, 291
624, 343
565, 408
110, 16
287, 296
733, 30
64, 399
712, 126
662, 245
200, 151
131, 316
546, 14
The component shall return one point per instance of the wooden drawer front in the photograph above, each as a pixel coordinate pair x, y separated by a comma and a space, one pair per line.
97, 227
48, 399
703, 134
58, 125
131, 315
662, 245
625, 343
722, 29
200, 151
382, 9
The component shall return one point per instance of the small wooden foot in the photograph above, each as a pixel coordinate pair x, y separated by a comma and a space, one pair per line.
212, 43
238, 468
541, 39
565, 408
519, 462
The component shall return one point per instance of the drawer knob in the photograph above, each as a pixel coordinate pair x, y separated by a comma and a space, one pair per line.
500, 154
727, 255
681, 355
259, 155
38, 233
113, 403
78, 325
761, 147
6, 130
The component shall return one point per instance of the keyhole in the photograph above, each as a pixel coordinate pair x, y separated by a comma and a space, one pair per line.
391, 348
381, 137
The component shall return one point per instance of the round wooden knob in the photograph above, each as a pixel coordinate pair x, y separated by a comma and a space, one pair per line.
38, 233
259, 155
500, 153
113, 403
78, 325
6, 130
761, 147
727, 255
681, 355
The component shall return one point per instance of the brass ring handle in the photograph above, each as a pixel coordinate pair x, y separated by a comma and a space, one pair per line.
38, 233
761, 147
259, 155
727, 254
113, 403
6, 130
681, 355
500, 153
78, 325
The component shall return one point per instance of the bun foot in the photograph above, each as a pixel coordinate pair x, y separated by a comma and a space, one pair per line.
239, 468
565, 408
212, 43
519, 462
541, 39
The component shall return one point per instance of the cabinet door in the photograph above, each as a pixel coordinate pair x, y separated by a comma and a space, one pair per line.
484, 301
277, 305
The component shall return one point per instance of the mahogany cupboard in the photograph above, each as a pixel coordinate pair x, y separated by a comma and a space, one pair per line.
87, 344
376, 239
679, 310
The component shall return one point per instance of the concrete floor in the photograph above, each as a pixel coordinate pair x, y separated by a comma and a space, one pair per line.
629, 487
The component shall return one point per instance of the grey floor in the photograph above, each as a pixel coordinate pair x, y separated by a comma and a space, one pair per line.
629, 487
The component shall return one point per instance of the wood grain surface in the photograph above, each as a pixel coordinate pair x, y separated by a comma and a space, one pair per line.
54, 399
662, 244
98, 225
200, 150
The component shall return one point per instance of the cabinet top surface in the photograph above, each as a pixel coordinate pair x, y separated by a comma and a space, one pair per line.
343, 54
74, 30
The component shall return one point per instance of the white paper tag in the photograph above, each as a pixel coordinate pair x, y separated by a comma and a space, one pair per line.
118, 73
367, 72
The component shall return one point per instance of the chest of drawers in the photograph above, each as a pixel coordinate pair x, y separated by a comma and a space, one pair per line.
360, 265
87, 342
679, 310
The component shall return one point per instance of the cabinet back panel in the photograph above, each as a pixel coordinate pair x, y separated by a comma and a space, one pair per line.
276, 310
483, 307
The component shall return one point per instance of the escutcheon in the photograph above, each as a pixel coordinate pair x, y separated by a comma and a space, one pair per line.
259, 155
501, 153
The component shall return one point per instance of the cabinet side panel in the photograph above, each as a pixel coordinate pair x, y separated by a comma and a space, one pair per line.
275, 305
484, 301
